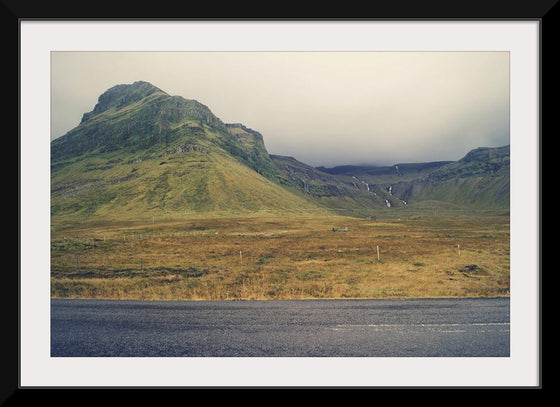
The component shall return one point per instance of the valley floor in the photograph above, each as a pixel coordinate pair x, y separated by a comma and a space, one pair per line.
282, 258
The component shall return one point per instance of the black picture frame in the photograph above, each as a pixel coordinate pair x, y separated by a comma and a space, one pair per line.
14, 11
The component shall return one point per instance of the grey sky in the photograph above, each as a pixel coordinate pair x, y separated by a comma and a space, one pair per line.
323, 108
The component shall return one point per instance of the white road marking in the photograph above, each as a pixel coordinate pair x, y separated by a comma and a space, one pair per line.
349, 326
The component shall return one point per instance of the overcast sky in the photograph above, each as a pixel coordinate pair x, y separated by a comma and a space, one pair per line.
323, 108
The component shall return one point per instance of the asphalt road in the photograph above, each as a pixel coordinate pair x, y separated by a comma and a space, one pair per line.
307, 328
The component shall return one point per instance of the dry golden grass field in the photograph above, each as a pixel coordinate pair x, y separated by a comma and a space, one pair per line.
282, 258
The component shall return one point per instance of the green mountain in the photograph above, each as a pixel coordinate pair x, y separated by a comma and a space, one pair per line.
142, 153
480, 180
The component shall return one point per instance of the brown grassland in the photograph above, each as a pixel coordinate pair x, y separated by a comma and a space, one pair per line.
281, 258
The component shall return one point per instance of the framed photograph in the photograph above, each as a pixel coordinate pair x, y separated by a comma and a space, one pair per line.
271, 115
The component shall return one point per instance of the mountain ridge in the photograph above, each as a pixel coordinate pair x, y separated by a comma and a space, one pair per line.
146, 151
142, 150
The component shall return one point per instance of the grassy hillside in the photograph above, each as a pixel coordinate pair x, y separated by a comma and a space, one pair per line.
165, 156
179, 183
478, 180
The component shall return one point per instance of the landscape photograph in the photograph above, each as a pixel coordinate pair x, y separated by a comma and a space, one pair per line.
280, 204
376, 175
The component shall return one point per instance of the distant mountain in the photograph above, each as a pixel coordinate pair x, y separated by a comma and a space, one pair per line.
393, 172
342, 193
142, 152
479, 180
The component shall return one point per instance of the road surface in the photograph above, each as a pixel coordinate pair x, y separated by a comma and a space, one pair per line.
299, 328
